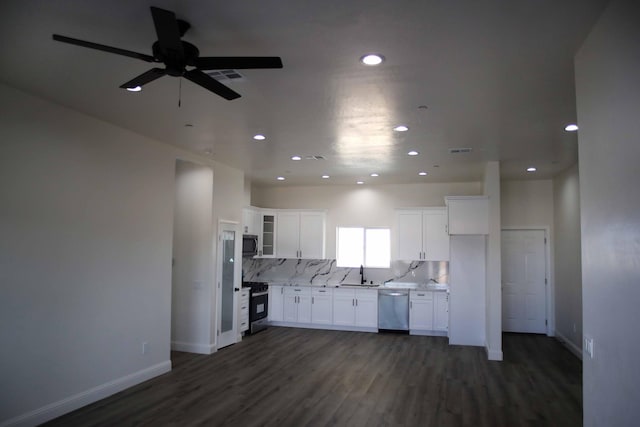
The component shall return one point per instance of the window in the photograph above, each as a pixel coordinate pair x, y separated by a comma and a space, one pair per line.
358, 246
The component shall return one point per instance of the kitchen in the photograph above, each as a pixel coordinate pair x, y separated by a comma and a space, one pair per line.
411, 288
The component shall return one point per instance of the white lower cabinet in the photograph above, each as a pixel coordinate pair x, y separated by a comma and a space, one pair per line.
276, 303
322, 306
297, 304
428, 312
421, 311
355, 307
441, 311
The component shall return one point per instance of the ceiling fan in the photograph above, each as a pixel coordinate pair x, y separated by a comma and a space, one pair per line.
180, 58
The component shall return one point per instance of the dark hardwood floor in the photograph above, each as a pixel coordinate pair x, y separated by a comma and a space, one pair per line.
298, 377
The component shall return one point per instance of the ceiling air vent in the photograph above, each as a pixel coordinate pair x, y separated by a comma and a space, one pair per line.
459, 150
314, 158
225, 75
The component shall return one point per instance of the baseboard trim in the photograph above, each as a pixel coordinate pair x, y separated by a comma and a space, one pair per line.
191, 347
324, 326
571, 346
76, 401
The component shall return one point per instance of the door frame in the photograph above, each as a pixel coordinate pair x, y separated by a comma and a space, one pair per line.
550, 300
235, 225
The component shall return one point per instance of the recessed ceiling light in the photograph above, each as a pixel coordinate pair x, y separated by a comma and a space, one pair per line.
401, 128
422, 173
259, 137
372, 59
360, 182
531, 169
296, 158
374, 174
325, 176
280, 178
571, 127
134, 89
413, 153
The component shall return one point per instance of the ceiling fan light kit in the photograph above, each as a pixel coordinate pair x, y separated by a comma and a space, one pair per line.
177, 54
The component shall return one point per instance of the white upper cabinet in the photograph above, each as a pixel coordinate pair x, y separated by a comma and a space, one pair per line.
422, 234
468, 214
267, 233
300, 234
251, 221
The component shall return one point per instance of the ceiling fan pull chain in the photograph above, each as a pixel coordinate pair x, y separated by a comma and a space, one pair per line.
180, 92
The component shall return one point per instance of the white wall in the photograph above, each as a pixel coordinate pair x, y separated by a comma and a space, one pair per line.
86, 219
527, 203
568, 267
493, 272
192, 279
608, 99
369, 206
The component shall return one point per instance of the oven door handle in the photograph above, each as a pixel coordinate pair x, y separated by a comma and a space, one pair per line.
259, 294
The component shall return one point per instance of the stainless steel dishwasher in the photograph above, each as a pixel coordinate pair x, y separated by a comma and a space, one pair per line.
393, 309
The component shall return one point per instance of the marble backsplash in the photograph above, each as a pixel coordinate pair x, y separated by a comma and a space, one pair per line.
325, 272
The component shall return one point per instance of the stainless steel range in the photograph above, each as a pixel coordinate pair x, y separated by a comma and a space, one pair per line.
258, 305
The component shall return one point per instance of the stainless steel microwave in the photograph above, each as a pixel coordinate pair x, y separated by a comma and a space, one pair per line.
249, 245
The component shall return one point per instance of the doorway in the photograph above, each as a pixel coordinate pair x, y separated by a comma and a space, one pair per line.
524, 281
227, 283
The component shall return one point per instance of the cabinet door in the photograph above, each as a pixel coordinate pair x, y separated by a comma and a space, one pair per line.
468, 215
290, 311
312, 235
304, 306
366, 308
322, 307
343, 307
246, 220
409, 235
287, 235
435, 235
441, 311
421, 312
276, 301
267, 234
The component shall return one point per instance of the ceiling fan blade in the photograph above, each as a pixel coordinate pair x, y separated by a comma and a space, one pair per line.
207, 82
104, 48
240, 62
168, 32
143, 79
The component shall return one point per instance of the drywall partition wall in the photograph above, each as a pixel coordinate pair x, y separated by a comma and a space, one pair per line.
608, 99
568, 273
228, 200
192, 277
369, 206
526, 203
86, 216
493, 264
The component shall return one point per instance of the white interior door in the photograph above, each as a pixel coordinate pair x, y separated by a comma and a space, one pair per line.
523, 281
227, 285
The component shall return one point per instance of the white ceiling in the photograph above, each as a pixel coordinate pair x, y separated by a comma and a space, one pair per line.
496, 76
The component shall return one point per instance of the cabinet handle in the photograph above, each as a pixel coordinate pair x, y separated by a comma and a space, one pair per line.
311, 300
446, 229
356, 302
281, 291
353, 302
411, 305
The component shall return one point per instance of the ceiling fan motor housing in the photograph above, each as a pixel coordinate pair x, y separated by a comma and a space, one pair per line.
176, 61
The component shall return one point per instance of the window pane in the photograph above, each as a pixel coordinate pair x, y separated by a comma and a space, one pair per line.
378, 247
350, 250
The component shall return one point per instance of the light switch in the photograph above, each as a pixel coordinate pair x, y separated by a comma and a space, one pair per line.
588, 347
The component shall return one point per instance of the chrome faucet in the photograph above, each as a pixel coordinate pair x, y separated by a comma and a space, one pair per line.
434, 281
362, 279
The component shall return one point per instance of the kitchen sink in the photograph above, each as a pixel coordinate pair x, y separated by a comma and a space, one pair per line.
400, 285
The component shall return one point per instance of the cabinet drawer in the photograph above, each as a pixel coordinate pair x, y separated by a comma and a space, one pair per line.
316, 292
421, 295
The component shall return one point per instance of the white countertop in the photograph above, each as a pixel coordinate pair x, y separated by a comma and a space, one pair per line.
434, 287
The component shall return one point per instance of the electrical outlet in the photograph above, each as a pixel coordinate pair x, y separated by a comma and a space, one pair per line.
144, 347
588, 347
